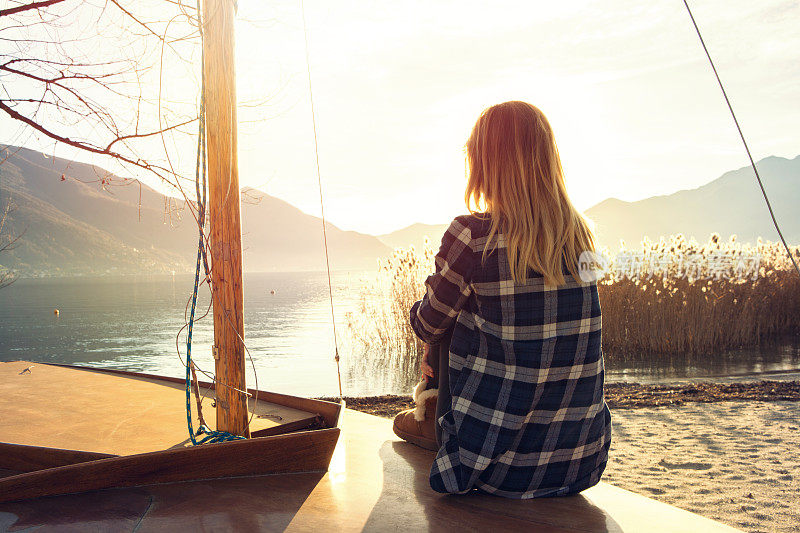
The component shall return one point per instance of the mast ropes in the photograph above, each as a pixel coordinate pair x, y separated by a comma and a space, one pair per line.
225, 234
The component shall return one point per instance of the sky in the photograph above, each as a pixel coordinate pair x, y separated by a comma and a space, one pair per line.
398, 85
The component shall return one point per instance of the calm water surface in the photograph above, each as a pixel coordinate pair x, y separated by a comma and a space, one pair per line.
131, 324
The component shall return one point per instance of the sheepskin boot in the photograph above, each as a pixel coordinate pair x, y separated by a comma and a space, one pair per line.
418, 425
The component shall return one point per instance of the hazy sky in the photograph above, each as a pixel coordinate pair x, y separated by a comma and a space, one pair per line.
398, 85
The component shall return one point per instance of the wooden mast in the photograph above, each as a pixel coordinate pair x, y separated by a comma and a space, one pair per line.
224, 214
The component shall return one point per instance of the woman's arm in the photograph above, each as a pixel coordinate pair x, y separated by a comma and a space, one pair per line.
449, 287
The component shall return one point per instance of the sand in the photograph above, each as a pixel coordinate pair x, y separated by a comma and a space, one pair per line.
737, 462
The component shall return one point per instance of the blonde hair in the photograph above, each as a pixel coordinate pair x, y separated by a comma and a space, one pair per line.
515, 176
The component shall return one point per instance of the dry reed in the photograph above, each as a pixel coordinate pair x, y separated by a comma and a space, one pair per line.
708, 308
671, 297
381, 324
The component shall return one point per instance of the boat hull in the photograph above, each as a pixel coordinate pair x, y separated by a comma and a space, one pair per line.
307, 451
137, 436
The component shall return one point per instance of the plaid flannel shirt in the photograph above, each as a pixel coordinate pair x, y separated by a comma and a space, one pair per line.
528, 417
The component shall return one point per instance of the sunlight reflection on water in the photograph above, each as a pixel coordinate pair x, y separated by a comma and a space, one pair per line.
130, 324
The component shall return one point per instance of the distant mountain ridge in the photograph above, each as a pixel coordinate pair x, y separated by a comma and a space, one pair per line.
76, 227
415, 235
730, 204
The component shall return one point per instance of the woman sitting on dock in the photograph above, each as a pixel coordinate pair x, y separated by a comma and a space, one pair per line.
521, 412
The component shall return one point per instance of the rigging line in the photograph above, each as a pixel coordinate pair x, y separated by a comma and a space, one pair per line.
321, 203
747, 149
200, 171
202, 207
211, 435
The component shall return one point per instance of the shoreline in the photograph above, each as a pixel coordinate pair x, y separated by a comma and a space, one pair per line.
626, 395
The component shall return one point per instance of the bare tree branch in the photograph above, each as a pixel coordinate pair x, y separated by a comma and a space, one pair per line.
88, 75
160, 171
28, 7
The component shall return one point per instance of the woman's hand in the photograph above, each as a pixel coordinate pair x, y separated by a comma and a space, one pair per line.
425, 368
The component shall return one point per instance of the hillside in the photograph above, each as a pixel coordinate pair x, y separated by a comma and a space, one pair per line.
76, 226
730, 204
415, 235
275, 233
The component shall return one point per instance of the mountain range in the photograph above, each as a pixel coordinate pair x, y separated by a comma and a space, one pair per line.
729, 205
78, 226
73, 224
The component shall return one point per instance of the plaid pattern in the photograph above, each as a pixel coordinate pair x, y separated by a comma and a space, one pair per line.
528, 416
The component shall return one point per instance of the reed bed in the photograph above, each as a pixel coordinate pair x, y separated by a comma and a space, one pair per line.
673, 297
381, 325
693, 299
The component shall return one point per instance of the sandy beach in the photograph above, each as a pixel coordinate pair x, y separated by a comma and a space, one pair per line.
727, 452
734, 461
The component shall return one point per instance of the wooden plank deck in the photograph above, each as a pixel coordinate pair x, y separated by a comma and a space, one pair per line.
81, 409
375, 483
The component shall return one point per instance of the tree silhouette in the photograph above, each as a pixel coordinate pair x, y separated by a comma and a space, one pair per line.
103, 78
91, 76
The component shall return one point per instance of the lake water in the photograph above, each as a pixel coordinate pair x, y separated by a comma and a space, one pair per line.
131, 324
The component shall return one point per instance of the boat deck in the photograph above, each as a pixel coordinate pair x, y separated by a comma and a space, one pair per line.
81, 409
375, 483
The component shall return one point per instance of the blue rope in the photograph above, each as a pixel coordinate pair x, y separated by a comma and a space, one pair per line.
211, 436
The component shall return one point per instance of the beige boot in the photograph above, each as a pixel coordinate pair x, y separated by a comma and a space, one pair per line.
418, 425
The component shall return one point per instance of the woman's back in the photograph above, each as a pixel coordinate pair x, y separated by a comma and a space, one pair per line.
528, 417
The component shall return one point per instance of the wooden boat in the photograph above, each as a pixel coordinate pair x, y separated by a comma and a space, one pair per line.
68, 429
71, 429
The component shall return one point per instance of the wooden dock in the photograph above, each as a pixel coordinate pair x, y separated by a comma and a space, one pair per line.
375, 483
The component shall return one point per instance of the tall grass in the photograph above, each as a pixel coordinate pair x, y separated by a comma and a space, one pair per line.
381, 324
706, 308
671, 297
